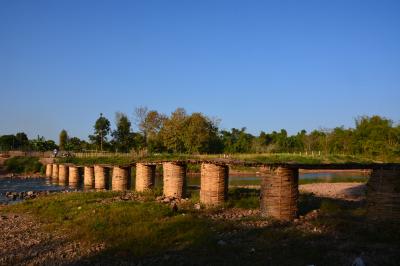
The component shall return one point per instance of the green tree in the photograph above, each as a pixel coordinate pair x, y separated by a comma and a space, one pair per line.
374, 135
172, 132
200, 134
237, 140
101, 130
8, 142
76, 144
152, 124
63, 139
41, 144
22, 140
122, 137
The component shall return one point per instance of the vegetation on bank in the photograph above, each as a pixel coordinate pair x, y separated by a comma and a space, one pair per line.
145, 230
258, 158
372, 137
23, 165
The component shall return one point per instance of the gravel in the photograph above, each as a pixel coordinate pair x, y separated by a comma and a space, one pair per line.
346, 191
22, 242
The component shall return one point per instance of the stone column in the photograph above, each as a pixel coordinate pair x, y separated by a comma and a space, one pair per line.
120, 177
280, 193
49, 169
88, 177
383, 195
174, 179
100, 177
55, 171
73, 176
214, 183
63, 174
145, 176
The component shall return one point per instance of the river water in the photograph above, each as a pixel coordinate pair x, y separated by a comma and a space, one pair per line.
44, 184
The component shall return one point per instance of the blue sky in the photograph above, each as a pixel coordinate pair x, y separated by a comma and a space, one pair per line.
265, 65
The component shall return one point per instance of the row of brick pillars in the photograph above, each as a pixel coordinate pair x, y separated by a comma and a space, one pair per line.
214, 179
279, 188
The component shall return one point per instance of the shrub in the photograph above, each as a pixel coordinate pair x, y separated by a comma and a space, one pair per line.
24, 165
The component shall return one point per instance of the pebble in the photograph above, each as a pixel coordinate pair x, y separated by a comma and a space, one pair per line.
31, 246
11, 195
167, 200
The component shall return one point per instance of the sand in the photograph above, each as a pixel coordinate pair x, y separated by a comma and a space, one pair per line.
347, 191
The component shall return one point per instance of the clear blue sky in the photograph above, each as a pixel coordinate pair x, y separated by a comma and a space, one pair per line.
265, 65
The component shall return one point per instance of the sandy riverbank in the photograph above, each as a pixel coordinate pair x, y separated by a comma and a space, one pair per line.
346, 191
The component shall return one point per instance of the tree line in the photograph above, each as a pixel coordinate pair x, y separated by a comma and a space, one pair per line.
196, 133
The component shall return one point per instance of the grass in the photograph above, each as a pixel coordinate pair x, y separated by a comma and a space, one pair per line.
126, 226
260, 158
296, 158
244, 198
114, 160
22, 164
146, 230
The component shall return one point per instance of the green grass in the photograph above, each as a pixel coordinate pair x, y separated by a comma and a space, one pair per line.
302, 159
136, 231
113, 160
259, 158
126, 226
22, 164
244, 198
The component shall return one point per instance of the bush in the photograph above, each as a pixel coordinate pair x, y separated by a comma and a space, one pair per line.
24, 165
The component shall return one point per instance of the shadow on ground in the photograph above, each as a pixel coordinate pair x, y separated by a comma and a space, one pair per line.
335, 236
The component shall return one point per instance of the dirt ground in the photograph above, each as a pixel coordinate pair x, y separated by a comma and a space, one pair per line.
346, 191
24, 242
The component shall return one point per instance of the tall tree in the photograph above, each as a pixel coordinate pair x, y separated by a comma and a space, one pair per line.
237, 140
200, 134
63, 139
122, 136
152, 124
172, 132
22, 140
101, 130
7, 142
140, 115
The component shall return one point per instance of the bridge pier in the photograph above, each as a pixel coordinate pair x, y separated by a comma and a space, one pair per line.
383, 195
279, 194
100, 177
63, 174
49, 169
145, 176
88, 177
54, 172
73, 176
214, 183
174, 176
120, 177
